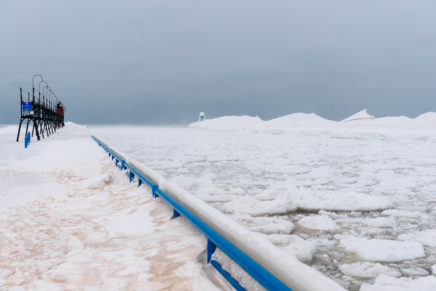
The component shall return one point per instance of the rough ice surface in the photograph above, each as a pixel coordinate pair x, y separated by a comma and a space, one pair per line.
373, 177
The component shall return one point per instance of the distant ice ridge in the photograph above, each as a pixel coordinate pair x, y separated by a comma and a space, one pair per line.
361, 119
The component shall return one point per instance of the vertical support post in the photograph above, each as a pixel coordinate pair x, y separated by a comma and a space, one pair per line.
153, 191
27, 126
27, 140
211, 247
21, 113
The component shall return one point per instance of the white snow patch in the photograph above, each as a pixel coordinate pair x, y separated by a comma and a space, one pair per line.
382, 250
130, 224
9, 130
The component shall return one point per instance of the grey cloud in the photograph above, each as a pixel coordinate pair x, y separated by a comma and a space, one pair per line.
164, 61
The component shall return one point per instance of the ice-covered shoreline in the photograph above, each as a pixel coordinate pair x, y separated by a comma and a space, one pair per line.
361, 120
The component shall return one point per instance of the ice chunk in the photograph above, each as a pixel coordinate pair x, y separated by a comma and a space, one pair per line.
317, 223
251, 205
414, 271
426, 237
314, 201
266, 225
300, 248
388, 283
382, 250
367, 270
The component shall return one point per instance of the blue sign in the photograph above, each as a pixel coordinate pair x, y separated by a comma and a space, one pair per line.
27, 106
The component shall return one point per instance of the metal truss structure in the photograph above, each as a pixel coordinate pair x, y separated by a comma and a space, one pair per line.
45, 111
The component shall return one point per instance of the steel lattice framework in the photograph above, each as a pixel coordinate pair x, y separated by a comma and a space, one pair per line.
45, 111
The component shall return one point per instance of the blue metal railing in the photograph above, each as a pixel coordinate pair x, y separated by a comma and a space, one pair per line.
214, 238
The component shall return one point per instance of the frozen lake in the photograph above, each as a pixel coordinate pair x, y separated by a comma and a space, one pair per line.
353, 203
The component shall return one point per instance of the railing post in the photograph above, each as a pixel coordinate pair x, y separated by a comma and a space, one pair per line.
153, 191
211, 247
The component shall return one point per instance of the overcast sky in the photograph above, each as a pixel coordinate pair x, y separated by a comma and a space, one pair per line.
163, 61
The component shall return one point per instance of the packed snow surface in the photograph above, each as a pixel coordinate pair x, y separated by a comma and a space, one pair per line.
373, 178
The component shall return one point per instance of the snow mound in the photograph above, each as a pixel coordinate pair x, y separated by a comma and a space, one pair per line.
230, 123
429, 116
388, 283
382, 250
299, 119
361, 115
317, 223
72, 129
367, 270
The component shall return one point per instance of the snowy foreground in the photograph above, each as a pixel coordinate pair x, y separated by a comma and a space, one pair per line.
69, 220
354, 199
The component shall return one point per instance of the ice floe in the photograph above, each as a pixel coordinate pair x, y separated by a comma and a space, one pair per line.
382, 250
